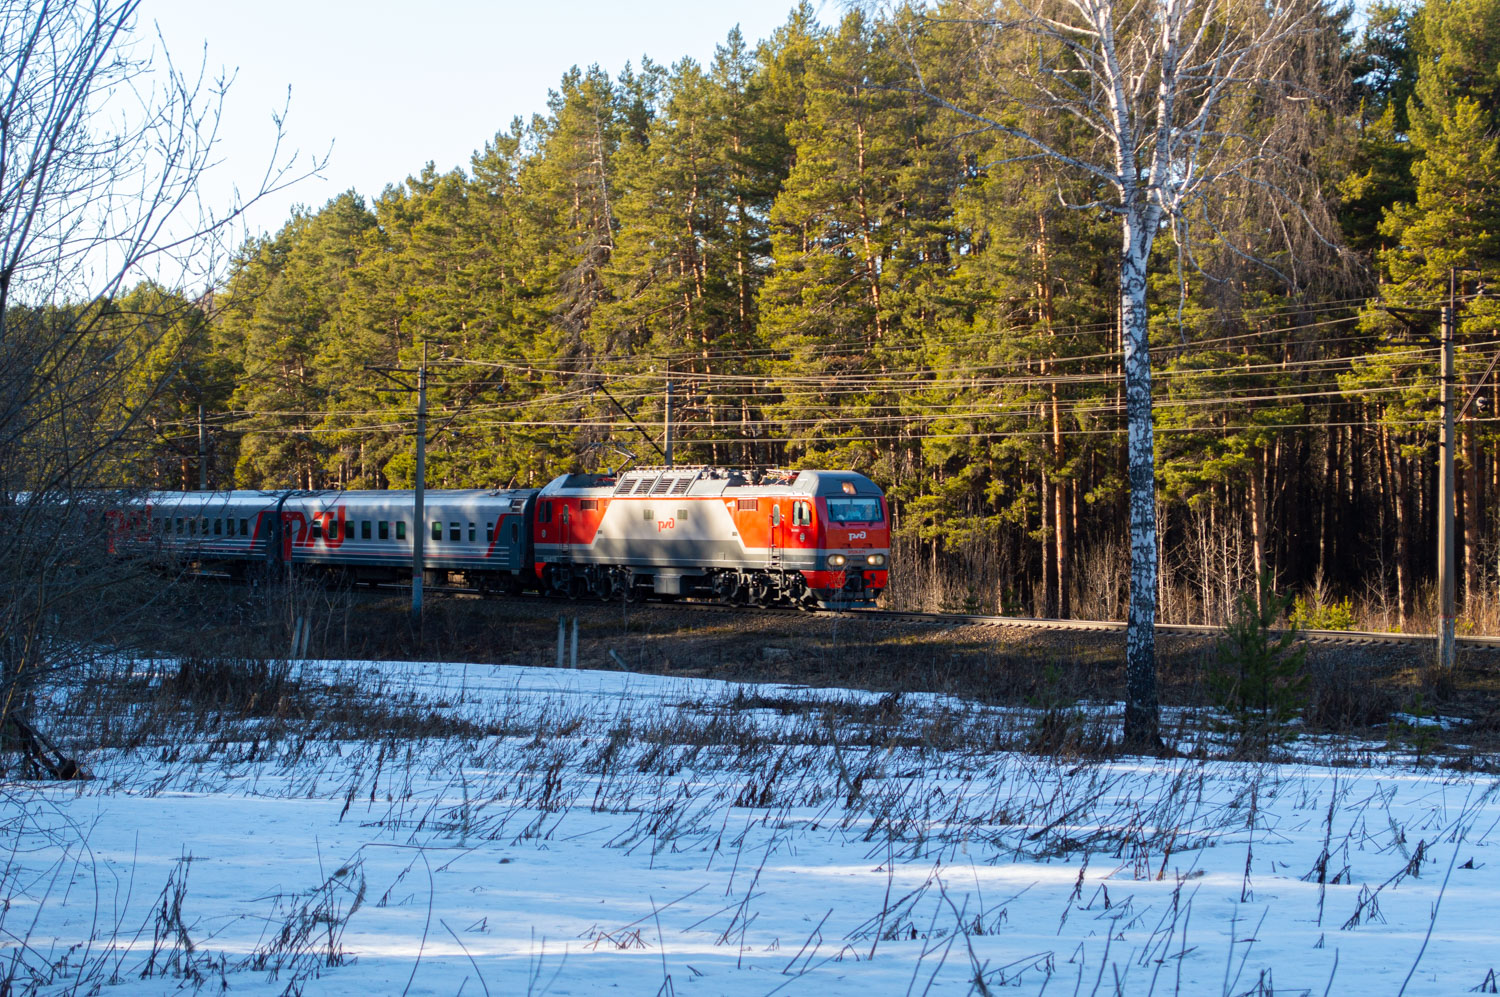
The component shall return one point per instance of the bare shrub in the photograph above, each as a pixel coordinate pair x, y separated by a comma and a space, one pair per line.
1346, 694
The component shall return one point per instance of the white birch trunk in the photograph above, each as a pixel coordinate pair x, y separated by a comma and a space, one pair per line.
1159, 83
1140, 634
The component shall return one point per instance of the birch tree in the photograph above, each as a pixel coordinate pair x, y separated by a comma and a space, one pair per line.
1181, 102
103, 147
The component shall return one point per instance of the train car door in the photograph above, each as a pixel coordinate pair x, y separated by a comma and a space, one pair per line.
777, 538
512, 540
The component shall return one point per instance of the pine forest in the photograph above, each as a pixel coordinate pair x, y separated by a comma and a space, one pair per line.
875, 241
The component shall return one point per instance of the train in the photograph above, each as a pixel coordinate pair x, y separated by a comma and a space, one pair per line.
807, 538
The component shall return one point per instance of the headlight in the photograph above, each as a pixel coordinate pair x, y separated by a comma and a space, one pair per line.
876, 559
836, 560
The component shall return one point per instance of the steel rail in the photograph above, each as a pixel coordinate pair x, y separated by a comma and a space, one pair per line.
1354, 637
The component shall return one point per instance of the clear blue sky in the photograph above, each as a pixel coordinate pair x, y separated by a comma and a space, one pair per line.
393, 85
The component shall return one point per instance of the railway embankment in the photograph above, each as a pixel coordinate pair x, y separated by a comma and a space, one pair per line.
1381, 690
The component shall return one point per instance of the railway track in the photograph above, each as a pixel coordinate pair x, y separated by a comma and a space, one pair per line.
1356, 638
1346, 637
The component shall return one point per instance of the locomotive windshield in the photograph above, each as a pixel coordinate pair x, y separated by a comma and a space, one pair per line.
854, 510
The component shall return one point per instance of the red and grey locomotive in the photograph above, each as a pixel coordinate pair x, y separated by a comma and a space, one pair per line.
811, 538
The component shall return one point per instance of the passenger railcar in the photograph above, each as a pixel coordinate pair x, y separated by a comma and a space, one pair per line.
365, 536
747, 537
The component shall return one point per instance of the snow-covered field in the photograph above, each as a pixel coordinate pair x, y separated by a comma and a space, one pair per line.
577, 832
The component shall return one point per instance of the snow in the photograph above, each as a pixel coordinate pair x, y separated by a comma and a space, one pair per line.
596, 832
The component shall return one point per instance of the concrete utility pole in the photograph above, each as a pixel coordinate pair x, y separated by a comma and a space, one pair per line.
420, 513
667, 421
419, 510
202, 451
1446, 446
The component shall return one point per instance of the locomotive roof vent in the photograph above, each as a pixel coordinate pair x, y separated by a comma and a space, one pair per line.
658, 481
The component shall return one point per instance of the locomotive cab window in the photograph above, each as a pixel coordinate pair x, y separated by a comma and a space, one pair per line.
854, 510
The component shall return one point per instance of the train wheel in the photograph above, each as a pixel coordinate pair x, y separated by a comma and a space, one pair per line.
726, 586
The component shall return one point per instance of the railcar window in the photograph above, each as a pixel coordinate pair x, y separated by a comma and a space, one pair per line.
192, 526
801, 514
681, 515
854, 510
317, 528
546, 516
515, 533
454, 533
364, 529
385, 529
437, 531
334, 529
776, 515
471, 533
647, 515
244, 527
401, 530
489, 532
229, 527
218, 527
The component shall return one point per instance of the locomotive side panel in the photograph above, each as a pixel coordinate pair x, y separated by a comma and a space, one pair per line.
725, 534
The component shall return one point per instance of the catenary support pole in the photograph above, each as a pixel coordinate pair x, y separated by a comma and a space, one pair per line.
666, 427
419, 531
202, 451
1445, 637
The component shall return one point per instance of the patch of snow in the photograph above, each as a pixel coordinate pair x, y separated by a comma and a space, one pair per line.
645, 834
